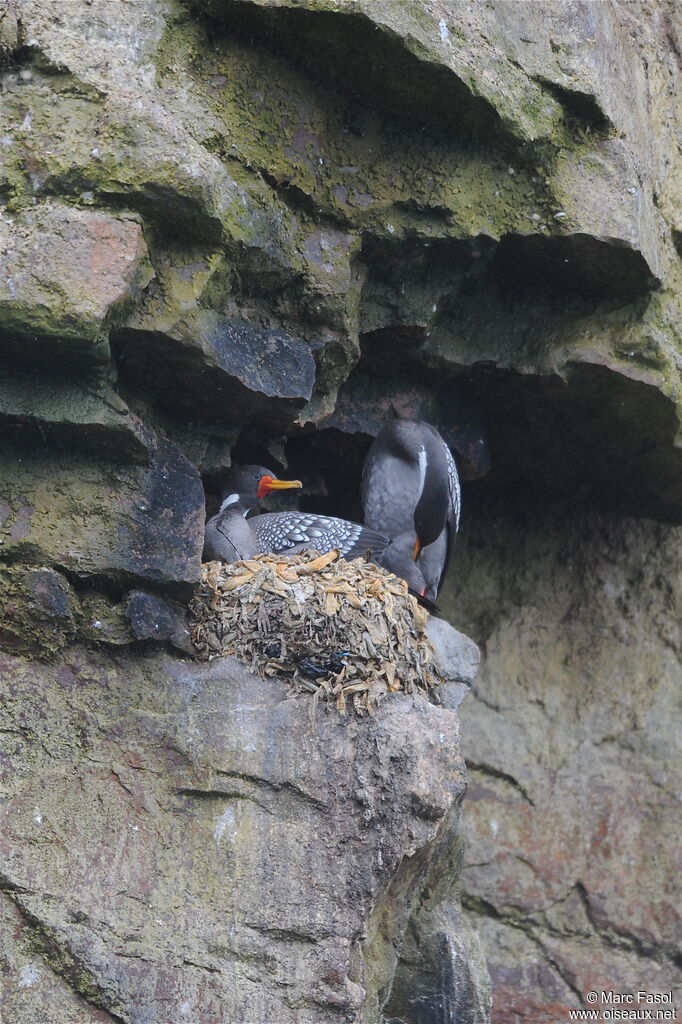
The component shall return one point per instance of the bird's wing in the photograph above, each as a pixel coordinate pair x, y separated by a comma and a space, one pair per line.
389, 492
228, 539
283, 532
436, 557
455, 491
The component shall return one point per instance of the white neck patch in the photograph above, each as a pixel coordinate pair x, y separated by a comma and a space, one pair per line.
231, 499
421, 456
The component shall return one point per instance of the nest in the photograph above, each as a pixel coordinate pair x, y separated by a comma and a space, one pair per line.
346, 631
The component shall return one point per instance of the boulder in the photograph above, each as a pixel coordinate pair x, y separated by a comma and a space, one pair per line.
39, 611
222, 369
170, 828
457, 661
152, 618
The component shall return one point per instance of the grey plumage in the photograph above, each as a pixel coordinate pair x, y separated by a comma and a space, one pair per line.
397, 558
230, 536
410, 491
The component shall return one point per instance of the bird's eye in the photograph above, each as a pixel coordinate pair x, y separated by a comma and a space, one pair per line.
256, 476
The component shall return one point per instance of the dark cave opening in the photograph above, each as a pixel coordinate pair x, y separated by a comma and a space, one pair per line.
592, 437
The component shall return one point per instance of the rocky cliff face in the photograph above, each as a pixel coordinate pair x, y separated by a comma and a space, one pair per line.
252, 227
572, 867
183, 842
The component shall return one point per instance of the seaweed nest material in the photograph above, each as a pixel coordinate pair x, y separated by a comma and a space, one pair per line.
347, 631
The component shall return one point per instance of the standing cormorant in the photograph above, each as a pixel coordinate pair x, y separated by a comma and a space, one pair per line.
410, 491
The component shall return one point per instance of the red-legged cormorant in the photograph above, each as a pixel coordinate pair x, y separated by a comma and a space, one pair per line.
231, 537
410, 491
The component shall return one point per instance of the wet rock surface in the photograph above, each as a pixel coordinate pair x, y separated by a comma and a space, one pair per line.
86, 414
225, 853
457, 659
152, 618
243, 373
39, 610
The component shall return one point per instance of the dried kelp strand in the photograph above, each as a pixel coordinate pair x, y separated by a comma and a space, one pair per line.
347, 632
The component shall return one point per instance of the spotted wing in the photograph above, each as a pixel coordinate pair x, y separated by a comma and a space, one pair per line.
435, 558
287, 532
455, 490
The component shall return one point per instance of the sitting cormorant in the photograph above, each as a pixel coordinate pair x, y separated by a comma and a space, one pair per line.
231, 537
410, 491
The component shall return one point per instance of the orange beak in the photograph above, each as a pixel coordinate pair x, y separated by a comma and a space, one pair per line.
269, 483
283, 485
416, 549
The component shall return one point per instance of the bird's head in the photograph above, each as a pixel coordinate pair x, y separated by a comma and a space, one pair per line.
252, 483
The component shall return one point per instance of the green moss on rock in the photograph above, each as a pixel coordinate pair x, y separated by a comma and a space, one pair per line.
38, 611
